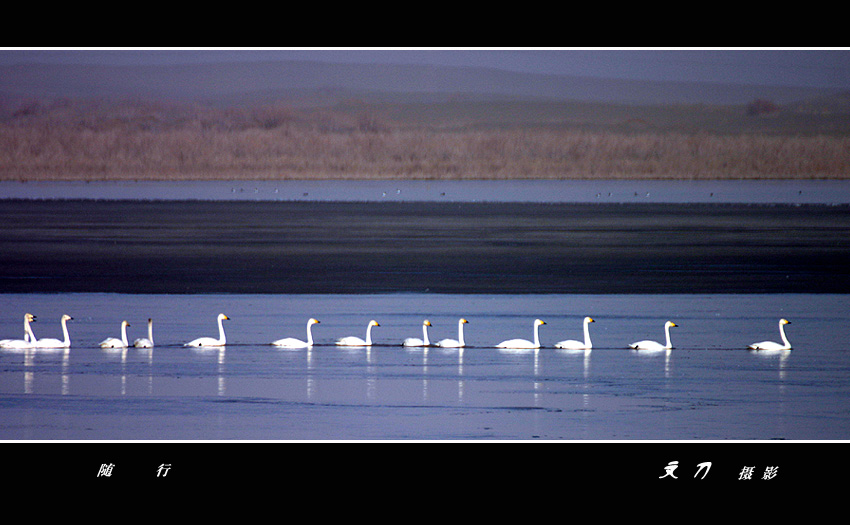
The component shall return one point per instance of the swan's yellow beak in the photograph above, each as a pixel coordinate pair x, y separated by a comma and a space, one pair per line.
427, 323
591, 321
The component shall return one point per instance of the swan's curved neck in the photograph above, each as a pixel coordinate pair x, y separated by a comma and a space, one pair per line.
221, 338
65, 331
309, 333
782, 333
150, 331
369, 335
124, 333
425, 334
460, 334
536, 334
28, 330
667, 333
587, 334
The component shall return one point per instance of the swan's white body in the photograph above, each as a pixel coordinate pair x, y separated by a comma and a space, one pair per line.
415, 341
145, 342
572, 344
524, 343
454, 343
291, 342
770, 345
56, 343
356, 341
111, 342
29, 339
209, 341
653, 345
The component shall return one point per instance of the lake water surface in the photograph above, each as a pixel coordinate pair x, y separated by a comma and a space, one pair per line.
584, 191
709, 387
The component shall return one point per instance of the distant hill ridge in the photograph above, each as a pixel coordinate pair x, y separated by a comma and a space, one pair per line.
262, 81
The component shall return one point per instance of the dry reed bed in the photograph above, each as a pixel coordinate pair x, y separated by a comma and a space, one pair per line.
145, 149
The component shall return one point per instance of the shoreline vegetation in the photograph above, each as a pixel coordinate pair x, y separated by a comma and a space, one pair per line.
103, 139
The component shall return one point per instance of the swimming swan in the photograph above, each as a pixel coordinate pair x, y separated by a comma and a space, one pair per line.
291, 342
209, 341
356, 341
770, 345
524, 343
143, 342
415, 341
29, 339
454, 343
572, 344
56, 343
111, 342
652, 345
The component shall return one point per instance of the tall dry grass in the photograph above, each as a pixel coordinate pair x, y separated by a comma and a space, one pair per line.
160, 142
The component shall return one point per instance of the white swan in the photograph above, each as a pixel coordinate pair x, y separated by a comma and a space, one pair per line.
770, 345
356, 341
415, 341
652, 345
209, 341
29, 339
572, 344
524, 343
454, 343
56, 343
291, 342
111, 342
147, 342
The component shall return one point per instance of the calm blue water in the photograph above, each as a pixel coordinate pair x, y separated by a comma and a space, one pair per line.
708, 388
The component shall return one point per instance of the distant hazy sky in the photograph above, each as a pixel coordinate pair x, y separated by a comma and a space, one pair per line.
796, 67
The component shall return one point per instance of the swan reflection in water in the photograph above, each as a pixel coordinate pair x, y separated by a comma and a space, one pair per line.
121, 352
219, 351
204, 344
583, 348
424, 349
781, 356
